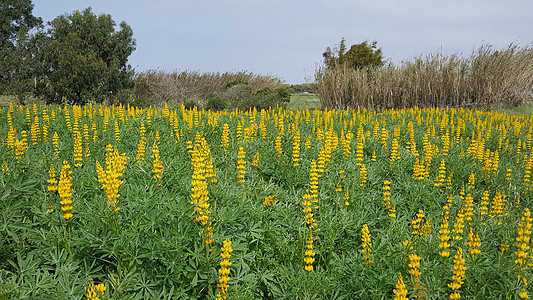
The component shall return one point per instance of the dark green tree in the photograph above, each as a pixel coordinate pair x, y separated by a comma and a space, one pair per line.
15, 17
85, 58
17, 47
362, 55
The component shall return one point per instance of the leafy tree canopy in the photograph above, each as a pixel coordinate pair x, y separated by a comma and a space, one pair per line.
359, 56
16, 46
15, 16
86, 58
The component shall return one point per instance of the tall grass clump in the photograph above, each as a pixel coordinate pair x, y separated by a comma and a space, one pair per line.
486, 78
177, 87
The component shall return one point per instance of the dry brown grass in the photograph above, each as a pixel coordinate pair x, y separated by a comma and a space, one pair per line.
487, 78
177, 87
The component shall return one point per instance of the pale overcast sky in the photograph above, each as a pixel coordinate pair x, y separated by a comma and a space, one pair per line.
287, 38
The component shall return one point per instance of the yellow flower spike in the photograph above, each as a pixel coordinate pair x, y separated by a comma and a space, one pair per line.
367, 245
469, 208
471, 181
444, 237
78, 150
241, 162
400, 292
224, 271
441, 176
225, 137
459, 273
296, 149
52, 182
65, 190
459, 225
309, 258
414, 270
386, 199
523, 294
473, 243
523, 247
363, 175
498, 202
417, 224
394, 154
157, 164
203, 169
277, 145
110, 177
346, 197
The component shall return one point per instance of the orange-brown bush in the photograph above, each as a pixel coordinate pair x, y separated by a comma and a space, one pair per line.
487, 78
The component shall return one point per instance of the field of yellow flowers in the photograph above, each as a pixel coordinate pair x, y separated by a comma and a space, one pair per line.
114, 202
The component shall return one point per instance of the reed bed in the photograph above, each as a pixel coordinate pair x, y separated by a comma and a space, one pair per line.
487, 78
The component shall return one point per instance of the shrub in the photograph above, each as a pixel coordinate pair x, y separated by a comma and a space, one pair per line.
177, 87
267, 97
190, 104
142, 102
237, 94
216, 102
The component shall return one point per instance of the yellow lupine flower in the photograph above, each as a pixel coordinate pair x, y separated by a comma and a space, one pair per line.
309, 258
52, 182
94, 291
400, 292
223, 277
367, 244
459, 273
65, 190
241, 162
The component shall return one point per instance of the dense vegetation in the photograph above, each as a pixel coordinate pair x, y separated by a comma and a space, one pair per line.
316, 204
487, 78
215, 91
75, 58
82, 57
360, 56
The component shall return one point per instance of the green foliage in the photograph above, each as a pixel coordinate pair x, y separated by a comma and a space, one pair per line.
359, 56
151, 249
17, 47
15, 17
85, 58
216, 102
237, 94
265, 98
236, 81
190, 104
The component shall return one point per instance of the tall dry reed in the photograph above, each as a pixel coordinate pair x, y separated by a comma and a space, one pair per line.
487, 78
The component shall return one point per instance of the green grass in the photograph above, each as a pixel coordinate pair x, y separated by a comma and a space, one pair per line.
300, 101
29, 100
524, 109
5, 100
